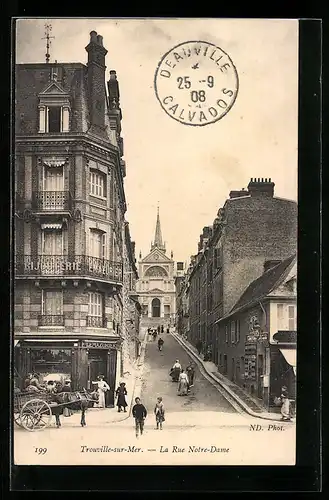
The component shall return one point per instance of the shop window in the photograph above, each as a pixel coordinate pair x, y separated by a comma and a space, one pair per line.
48, 361
97, 184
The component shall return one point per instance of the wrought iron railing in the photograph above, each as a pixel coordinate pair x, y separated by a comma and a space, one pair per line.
97, 321
51, 320
62, 265
51, 200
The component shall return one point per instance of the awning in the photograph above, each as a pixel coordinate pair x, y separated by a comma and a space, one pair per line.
51, 226
290, 357
16, 342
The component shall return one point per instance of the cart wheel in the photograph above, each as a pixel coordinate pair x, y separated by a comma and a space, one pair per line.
17, 419
35, 415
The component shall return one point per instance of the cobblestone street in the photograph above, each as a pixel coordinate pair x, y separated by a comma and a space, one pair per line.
157, 382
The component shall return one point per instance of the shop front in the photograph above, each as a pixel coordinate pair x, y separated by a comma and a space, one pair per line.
283, 364
82, 361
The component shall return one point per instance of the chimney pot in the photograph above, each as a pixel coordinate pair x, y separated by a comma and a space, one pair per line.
100, 40
93, 37
269, 179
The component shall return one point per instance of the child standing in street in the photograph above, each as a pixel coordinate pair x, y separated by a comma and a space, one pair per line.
139, 413
159, 412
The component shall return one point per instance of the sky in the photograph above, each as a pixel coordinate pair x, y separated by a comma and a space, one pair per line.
189, 171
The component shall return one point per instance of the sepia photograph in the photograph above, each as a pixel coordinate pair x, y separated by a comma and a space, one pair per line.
155, 243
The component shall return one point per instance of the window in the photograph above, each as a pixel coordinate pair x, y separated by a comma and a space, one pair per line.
53, 179
233, 340
292, 318
97, 184
52, 242
95, 307
226, 333
237, 330
97, 244
280, 318
53, 119
51, 308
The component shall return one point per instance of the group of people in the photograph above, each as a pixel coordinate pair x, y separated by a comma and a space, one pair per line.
139, 413
32, 384
205, 350
185, 378
154, 332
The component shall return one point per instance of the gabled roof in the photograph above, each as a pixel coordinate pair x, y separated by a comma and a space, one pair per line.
265, 284
53, 88
150, 257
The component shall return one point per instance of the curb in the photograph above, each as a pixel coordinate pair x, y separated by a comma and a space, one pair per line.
232, 395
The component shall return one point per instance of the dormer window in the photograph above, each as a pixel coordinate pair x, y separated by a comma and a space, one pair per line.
54, 109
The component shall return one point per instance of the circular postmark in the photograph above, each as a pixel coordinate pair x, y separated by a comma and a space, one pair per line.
196, 83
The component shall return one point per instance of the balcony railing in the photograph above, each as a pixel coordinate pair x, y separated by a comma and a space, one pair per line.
51, 320
62, 265
97, 321
52, 201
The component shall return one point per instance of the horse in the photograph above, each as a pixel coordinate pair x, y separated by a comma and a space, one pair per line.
76, 401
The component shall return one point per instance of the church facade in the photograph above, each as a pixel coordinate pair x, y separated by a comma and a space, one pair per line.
156, 285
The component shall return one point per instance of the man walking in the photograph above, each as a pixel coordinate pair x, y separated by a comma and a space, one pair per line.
190, 370
139, 413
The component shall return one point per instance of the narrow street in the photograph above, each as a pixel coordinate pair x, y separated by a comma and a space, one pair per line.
157, 382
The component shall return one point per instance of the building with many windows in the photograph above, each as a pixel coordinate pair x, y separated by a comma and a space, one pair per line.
253, 231
71, 237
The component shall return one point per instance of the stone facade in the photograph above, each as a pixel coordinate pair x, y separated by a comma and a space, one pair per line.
253, 227
156, 284
70, 221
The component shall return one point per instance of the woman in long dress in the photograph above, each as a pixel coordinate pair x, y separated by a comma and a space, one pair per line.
182, 384
121, 392
102, 388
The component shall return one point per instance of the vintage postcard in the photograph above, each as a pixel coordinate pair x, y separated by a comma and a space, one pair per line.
155, 241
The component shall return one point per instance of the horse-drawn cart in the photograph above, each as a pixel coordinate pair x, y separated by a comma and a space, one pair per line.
32, 411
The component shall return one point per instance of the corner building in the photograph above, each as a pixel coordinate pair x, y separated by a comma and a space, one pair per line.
69, 221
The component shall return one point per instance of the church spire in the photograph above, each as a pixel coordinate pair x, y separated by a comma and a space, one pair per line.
158, 243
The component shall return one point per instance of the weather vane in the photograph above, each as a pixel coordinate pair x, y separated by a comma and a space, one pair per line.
48, 28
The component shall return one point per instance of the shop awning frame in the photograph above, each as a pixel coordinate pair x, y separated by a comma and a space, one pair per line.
290, 356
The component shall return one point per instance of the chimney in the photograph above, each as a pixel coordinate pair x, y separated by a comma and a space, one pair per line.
261, 187
268, 264
206, 232
238, 194
96, 79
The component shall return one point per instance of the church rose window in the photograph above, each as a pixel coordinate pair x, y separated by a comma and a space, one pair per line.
156, 271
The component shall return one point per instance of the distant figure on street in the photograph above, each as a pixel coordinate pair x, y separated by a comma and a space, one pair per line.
159, 329
162, 328
160, 344
199, 346
159, 412
121, 392
168, 331
190, 370
183, 383
102, 388
155, 333
139, 413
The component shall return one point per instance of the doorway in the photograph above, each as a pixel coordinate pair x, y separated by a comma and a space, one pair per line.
97, 365
156, 308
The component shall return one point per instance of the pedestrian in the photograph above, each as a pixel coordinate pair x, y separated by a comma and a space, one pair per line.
183, 383
285, 404
159, 412
139, 413
154, 334
102, 388
168, 329
175, 371
27, 381
199, 346
159, 329
67, 412
121, 392
190, 370
162, 328
160, 344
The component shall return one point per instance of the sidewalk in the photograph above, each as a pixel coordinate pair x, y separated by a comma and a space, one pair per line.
246, 402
